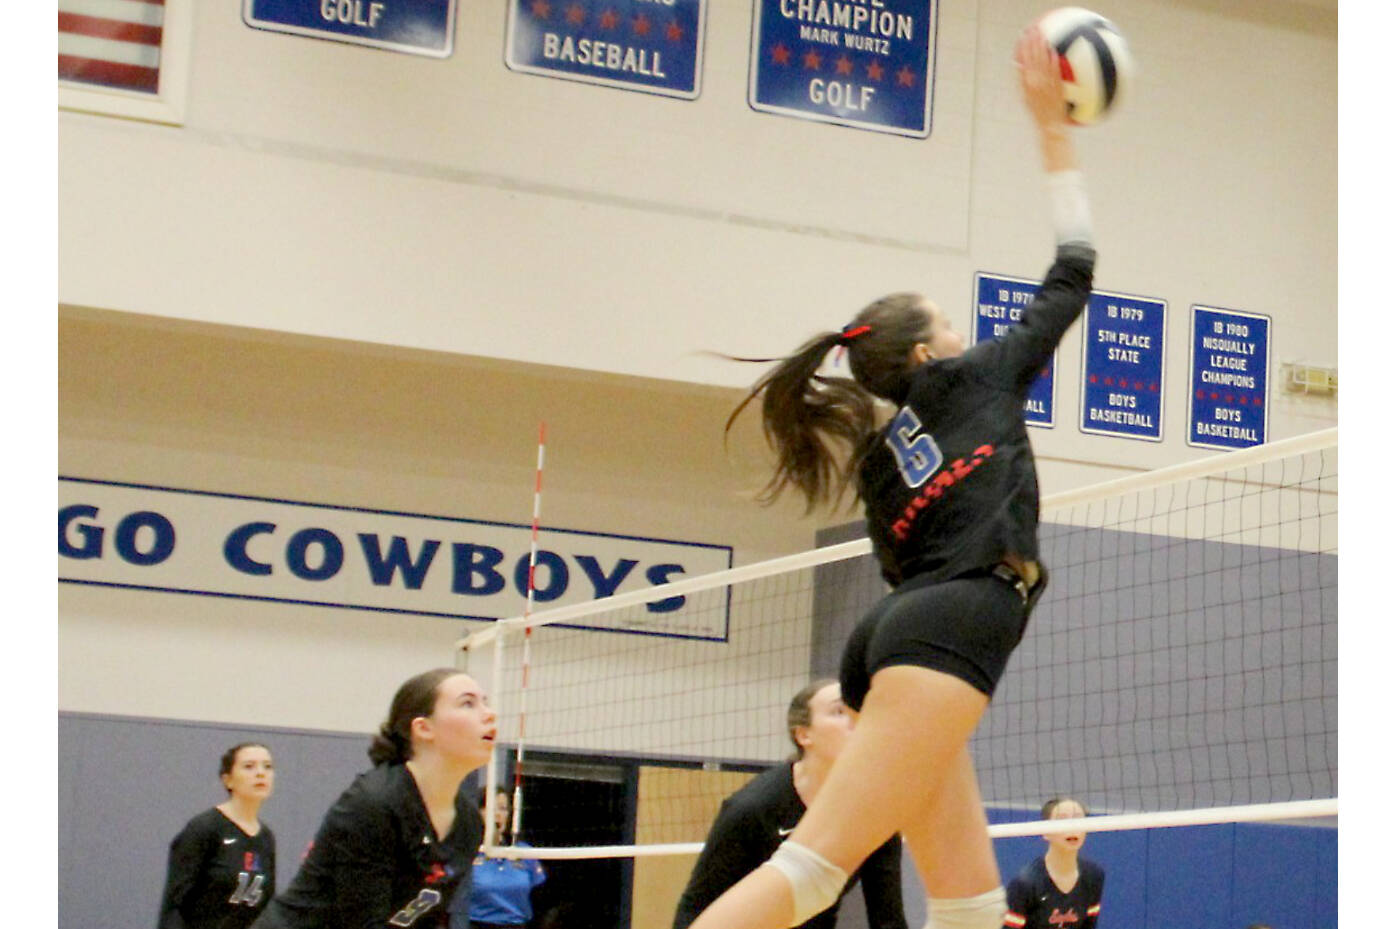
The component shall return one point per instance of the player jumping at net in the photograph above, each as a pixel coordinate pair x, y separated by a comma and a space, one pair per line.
949, 488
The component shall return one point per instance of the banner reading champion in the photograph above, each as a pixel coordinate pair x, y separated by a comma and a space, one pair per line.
1229, 378
868, 64
654, 46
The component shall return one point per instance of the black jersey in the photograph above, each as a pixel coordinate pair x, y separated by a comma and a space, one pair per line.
751, 825
376, 862
950, 483
1034, 902
219, 876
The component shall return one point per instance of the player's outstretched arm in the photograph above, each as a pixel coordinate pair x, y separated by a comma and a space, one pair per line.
1027, 347
1038, 68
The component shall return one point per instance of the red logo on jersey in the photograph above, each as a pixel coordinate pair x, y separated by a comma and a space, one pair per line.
437, 873
957, 470
1058, 918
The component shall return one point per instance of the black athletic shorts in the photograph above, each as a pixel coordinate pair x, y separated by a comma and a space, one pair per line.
966, 627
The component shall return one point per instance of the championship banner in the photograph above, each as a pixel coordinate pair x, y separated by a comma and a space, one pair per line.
416, 27
654, 46
997, 305
140, 537
1229, 378
1123, 366
868, 64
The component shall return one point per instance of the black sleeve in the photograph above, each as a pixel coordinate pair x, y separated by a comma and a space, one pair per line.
186, 854
270, 893
1019, 903
727, 856
880, 876
1091, 921
365, 841
1017, 357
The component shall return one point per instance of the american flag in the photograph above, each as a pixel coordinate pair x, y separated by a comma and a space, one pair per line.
113, 43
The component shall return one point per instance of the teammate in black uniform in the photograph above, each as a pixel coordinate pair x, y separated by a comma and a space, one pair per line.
756, 818
222, 864
395, 845
951, 505
1062, 889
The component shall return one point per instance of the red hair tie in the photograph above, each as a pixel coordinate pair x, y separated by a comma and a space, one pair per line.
850, 332
844, 338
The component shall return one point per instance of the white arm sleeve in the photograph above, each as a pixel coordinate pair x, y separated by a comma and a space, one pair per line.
1069, 207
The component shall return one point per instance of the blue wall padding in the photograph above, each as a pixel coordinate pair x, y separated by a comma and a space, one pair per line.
1220, 877
1189, 877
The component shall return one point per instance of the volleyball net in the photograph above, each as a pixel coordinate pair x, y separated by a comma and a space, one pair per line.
1180, 669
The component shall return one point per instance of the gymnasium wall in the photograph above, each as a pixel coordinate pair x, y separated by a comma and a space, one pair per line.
179, 406
455, 205
323, 294
127, 785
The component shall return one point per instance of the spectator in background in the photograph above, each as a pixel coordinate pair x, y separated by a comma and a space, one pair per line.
222, 864
500, 892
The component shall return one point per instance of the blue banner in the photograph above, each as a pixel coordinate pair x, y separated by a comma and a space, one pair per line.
868, 64
417, 27
654, 46
1123, 366
1229, 378
998, 305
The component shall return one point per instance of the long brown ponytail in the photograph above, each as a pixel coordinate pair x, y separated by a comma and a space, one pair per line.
819, 425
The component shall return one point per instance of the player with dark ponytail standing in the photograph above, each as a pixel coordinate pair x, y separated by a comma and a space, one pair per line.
222, 864
395, 845
949, 487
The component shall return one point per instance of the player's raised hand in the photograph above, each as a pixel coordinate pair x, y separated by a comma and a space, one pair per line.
1038, 68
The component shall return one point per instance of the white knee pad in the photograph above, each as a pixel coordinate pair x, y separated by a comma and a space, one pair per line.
985, 911
816, 881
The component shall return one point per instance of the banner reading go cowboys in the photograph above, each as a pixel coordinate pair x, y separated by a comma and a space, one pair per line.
168, 540
862, 63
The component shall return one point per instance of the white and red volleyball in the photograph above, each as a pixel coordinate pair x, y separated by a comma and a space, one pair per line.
1095, 63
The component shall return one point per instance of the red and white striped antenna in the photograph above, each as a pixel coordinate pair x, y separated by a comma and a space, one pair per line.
527, 638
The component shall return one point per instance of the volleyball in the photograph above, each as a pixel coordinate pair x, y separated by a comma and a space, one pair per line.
1094, 61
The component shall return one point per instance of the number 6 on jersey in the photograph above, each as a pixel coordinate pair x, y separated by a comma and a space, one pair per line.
916, 453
